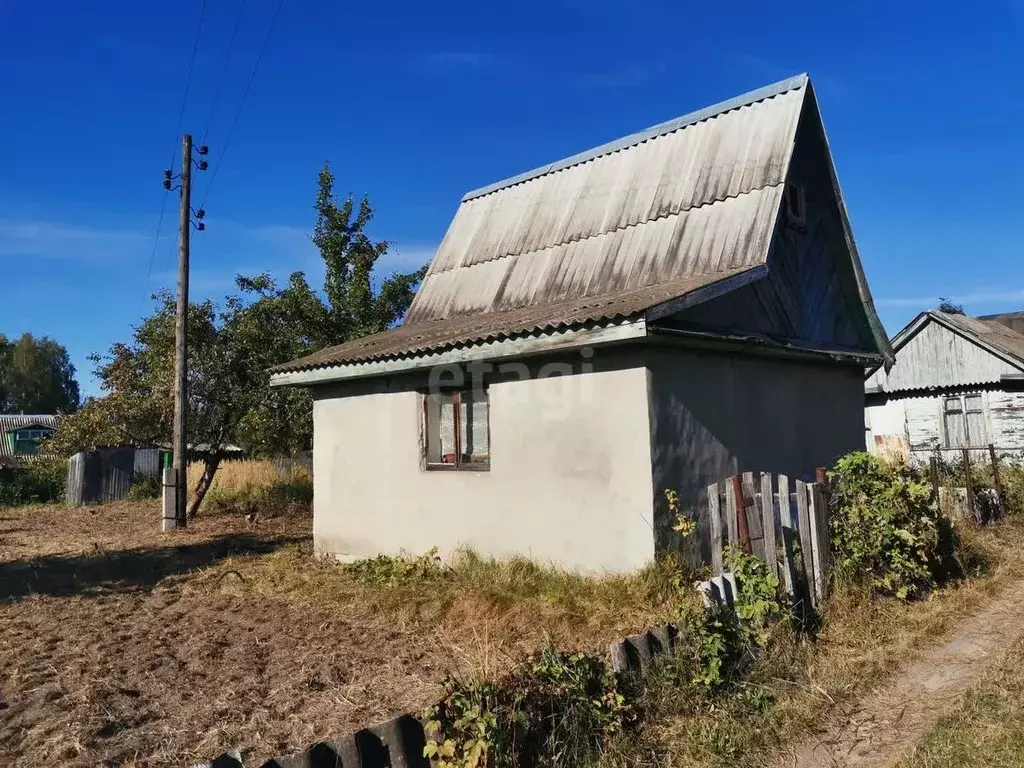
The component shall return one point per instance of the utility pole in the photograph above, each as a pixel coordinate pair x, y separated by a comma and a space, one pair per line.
177, 503
180, 442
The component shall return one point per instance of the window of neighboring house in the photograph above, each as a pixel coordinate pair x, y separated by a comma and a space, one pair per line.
33, 434
457, 430
964, 421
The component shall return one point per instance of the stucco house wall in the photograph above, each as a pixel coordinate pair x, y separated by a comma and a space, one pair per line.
569, 482
715, 414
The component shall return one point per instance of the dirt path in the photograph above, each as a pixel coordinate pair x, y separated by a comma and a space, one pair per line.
889, 722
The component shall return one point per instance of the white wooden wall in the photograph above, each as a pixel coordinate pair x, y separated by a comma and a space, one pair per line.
937, 357
918, 421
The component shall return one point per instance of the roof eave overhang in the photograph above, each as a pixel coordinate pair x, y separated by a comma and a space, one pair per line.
706, 293
491, 351
759, 345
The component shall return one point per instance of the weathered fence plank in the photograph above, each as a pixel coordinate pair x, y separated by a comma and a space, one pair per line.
774, 527
804, 525
731, 521
715, 518
818, 519
742, 527
768, 523
787, 532
753, 514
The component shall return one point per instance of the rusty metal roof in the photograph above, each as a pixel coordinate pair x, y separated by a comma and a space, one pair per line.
409, 340
604, 234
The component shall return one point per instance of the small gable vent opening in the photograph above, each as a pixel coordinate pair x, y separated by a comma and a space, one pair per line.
795, 202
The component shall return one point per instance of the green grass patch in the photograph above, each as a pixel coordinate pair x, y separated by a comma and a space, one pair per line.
988, 729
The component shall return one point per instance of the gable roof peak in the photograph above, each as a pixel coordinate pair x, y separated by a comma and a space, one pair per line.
743, 100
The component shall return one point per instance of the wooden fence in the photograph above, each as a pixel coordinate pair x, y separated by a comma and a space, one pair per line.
785, 524
107, 474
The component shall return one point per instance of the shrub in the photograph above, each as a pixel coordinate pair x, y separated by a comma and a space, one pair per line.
396, 570
557, 708
144, 488
722, 640
887, 534
36, 482
1012, 479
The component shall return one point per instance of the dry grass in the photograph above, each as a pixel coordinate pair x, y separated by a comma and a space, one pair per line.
121, 644
487, 612
242, 486
862, 644
239, 476
988, 729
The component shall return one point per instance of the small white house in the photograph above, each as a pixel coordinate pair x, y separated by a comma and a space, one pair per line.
958, 382
657, 313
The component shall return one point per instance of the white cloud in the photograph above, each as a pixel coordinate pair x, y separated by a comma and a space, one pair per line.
49, 239
406, 257
974, 297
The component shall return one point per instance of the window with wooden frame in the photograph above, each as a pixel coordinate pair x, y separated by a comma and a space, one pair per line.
456, 428
964, 422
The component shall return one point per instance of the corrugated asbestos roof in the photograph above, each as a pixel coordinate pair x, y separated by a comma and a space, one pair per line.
993, 332
604, 234
446, 334
9, 422
19, 421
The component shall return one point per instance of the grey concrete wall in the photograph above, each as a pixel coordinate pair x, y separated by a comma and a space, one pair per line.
569, 483
715, 414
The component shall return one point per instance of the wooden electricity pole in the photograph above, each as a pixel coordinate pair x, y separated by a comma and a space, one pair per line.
180, 440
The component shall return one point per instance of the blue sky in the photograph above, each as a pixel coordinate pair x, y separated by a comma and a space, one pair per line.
416, 103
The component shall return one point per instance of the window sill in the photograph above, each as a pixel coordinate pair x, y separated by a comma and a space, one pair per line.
457, 467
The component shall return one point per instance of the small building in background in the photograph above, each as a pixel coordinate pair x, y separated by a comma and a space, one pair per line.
958, 382
20, 434
654, 314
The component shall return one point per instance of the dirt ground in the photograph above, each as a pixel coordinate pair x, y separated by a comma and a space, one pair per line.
884, 726
117, 648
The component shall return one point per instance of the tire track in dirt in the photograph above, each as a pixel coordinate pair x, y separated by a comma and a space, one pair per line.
888, 723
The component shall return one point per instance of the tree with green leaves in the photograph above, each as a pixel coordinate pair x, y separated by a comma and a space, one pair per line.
36, 376
950, 307
231, 349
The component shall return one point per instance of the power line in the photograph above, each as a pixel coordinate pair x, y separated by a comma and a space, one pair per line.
248, 86
181, 119
224, 70
188, 80
156, 243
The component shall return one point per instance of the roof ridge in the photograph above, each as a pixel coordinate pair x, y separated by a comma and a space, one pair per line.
669, 126
603, 233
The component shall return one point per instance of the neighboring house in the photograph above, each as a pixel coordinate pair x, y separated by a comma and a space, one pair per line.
20, 434
657, 313
958, 382
1013, 320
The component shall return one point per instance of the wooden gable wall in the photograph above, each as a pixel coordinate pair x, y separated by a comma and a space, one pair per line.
810, 293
